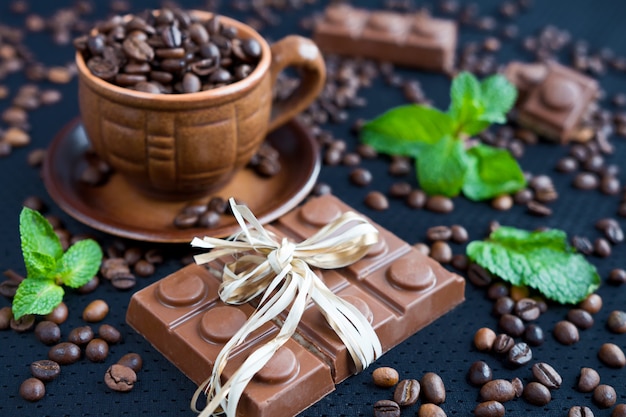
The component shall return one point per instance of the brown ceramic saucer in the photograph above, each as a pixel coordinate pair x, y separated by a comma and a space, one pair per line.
118, 209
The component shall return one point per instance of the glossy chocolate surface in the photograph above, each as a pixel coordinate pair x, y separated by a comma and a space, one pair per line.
415, 40
553, 100
395, 287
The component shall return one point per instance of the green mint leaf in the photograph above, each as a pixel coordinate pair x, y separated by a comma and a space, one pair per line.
498, 96
404, 130
38, 237
541, 260
441, 167
491, 172
80, 263
466, 105
36, 296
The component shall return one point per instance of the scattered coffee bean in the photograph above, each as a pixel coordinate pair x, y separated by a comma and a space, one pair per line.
64, 353
430, 410
109, 334
376, 200
479, 373
503, 202
459, 233
6, 315
479, 276
48, 332
527, 309
619, 411
499, 390
511, 325
586, 181
582, 244
580, 411
547, 375
131, 360
32, 389
592, 304
588, 380
538, 209
503, 305
433, 389
23, 324
581, 318
361, 177
399, 189
95, 311
520, 354
435, 233
497, 290
565, 332
602, 247
537, 394
385, 376
386, 408
616, 321
518, 387
617, 276
59, 314
484, 338
441, 252
45, 370
503, 344
489, 409
80, 335
604, 396
407, 392
97, 350
533, 335
460, 261
612, 355
439, 204
120, 378
416, 199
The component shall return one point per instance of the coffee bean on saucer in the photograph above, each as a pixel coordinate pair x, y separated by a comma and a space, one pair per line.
32, 389
45, 370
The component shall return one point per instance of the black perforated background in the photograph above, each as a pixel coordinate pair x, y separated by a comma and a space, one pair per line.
444, 347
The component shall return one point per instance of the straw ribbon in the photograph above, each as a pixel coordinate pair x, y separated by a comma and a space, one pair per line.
281, 272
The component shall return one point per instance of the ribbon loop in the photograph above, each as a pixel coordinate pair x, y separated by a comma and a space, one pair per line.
281, 273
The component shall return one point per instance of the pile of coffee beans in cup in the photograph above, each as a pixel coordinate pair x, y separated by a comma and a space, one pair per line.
168, 51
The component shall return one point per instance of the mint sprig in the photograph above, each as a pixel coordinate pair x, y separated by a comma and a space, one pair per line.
542, 260
444, 163
48, 267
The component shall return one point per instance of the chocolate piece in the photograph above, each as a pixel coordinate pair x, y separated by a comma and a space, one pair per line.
398, 289
416, 40
553, 100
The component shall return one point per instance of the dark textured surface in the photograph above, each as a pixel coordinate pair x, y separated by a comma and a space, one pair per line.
444, 347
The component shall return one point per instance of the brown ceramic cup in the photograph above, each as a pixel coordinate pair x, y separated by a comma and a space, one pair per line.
182, 146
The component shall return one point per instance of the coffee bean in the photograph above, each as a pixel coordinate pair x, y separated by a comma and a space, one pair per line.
23, 324
581, 318
430, 410
399, 166
616, 321
385, 376
538, 209
120, 378
618, 411
499, 390
386, 408
45, 370
459, 233
361, 177
533, 335
518, 387
580, 411
614, 233
527, 309
376, 200
537, 394
441, 252
503, 344
592, 304
511, 325
479, 276
567, 164
59, 314
546, 375
90, 286
582, 244
565, 332
617, 276
109, 334
32, 389
498, 290
97, 350
48, 332
503, 202
460, 261
64, 353
6, 315
484, 338
520, 354
433, 389
479, 373
602, 247
80, 335
503, 305
435, 233
588, 380
407, 392
399, 189
439, 204
131, 360
95, 311
416, 199
489, 409
604, 396
612, 355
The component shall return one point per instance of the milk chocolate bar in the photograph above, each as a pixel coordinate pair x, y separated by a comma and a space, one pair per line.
398, 289
416, 39
555, 101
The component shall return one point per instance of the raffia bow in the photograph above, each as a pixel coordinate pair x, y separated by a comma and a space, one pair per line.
281, 272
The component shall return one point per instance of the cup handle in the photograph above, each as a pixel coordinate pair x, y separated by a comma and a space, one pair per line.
302, 53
